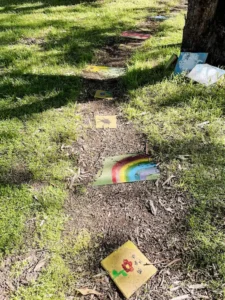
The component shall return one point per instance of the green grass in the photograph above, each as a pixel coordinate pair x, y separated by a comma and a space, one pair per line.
43, 47
169, 109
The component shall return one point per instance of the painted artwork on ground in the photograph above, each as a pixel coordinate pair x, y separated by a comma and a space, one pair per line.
103, 94
188, 60
102, 72
128, 268
172, 61
135, 35
206, 74
130, 46
127, 168
159, 18
105, 122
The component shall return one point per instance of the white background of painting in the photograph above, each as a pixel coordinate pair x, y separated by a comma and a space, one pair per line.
205, 74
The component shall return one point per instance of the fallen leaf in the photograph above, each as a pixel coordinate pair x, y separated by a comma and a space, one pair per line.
201, 125
203, 297
181, 297
197, 286
168, 180
173, 262
87, 291
99, 275
10, 285
75, 177
40, 265
153, 208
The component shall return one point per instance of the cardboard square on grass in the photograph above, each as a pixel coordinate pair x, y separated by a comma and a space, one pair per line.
188, 60
105, 121
172, 61
159, 18
206, 74
135, 35
128, 268
103, 94
127, 168
102, 72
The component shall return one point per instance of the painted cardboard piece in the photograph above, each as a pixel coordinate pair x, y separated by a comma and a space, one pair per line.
127, 168
102, 72
135, 35
159, 18
105, 122
130, 46
206, 74
188, 60
103, 94
128, 268
173, 59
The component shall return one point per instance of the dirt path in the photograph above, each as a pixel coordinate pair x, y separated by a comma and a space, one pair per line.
122, 212
114, 214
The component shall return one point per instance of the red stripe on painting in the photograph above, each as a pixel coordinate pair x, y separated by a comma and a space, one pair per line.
116, 168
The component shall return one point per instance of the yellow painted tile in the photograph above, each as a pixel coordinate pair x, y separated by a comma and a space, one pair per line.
103, 94
128, 268
105, 121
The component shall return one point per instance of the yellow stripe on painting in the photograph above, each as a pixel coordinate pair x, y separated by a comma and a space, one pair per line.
122, 174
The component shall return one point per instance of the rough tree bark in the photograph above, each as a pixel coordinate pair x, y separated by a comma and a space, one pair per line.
204, 30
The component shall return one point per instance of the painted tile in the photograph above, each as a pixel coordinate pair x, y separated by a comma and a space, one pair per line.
206, 74
103, 94
173, 59
128, 268
105, 121
188, 60
130, 46
127, 168
102, 72
159, 18
135, 35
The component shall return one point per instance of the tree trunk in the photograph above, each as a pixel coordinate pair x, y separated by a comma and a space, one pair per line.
204, 30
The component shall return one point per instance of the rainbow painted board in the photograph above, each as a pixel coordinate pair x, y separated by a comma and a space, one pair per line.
102, 72
128, 268
127, 168
135, 35
103, 94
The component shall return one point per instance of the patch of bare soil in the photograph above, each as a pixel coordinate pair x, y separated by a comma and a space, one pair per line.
32, 41
20, 270
151, 214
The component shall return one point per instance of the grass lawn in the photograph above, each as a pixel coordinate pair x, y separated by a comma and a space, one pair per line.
172, 112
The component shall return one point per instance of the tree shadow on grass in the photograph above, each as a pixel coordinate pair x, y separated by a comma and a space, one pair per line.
140, 77
8, 3
49, 91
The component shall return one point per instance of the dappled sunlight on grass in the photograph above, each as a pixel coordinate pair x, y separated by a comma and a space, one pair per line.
170, 110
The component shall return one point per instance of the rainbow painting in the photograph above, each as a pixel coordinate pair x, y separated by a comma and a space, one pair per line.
102, 72
127, 168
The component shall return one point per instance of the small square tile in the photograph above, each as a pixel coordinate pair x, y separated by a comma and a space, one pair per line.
106, 122
128, 268
103, 95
